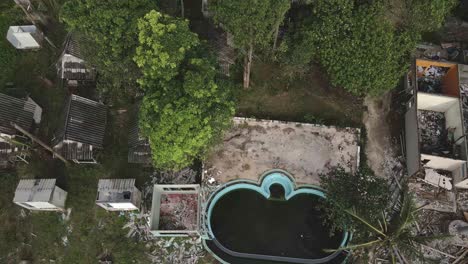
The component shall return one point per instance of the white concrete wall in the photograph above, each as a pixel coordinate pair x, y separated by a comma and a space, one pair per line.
434, 102
41, 206
123, 206
37, 111
462, 184
453, 118
59, 197
442, 163
20, 37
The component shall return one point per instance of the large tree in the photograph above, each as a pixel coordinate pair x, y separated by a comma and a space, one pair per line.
253, 24
359, 47
186, 107
109, 36
163, 44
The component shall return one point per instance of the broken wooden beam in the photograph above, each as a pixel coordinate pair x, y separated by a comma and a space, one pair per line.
40, 142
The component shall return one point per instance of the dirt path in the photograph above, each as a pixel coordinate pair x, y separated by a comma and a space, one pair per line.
380, 148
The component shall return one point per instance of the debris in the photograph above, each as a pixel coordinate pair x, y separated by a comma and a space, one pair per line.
22, 213
178, 211
137, 225
185, 176
436, 179
434, 135
430, 78
432, 198
459, 231
461, 257
66, 216
65, 240
181, 250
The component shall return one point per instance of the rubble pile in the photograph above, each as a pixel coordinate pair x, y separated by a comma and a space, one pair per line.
137, 225
444, 250
176, 250
431, 197
434, 136
185, 176
430, 78
462, 201
178, 211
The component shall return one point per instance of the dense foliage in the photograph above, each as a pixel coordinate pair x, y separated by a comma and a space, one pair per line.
426, 16
8, 55
186, 107
397, 239
252, 23
362, 191
163, 44
108, 31
358, 46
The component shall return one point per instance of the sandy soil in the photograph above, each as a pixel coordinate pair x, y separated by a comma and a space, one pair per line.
379, 143
252, 147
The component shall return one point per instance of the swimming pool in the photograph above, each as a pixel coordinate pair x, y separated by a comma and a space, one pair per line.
271, 221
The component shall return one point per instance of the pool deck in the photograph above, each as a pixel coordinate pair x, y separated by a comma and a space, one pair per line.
253, 147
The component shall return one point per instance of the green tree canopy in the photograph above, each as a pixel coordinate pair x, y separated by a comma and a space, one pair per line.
426, 16
163, 44
109, 37
358, 46
252, 23
186, 117
186, 107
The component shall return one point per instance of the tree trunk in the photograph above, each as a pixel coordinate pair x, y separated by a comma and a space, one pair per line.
247, 66
275, 37
182, 9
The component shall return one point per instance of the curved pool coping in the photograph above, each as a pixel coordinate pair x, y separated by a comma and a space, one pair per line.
268, 178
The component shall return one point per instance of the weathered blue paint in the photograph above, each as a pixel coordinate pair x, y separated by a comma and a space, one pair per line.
267, 180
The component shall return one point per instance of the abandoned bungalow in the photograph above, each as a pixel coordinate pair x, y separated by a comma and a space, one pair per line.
118, 195
72, 68
175, 210
82, 129
24, 113
139, 150
40, 195
25, 37
435, 131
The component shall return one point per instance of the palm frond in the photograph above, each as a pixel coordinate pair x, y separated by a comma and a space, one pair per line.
367, 244
375, 229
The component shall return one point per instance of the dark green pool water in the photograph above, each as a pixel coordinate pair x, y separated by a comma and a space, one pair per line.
244, 221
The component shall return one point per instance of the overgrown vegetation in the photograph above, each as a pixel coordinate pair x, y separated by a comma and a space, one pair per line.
396, 239
254, 25
363, 192
107, 30
186, 106
359, 47
9, 15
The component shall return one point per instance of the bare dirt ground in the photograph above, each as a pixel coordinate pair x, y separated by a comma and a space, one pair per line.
253, 147
380, 146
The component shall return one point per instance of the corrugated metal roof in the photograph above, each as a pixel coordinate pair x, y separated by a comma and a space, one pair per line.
116, 185
14, 110
39, 190
75, 151
85, 122
113, 189
72, 46
139, 149
140, 154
